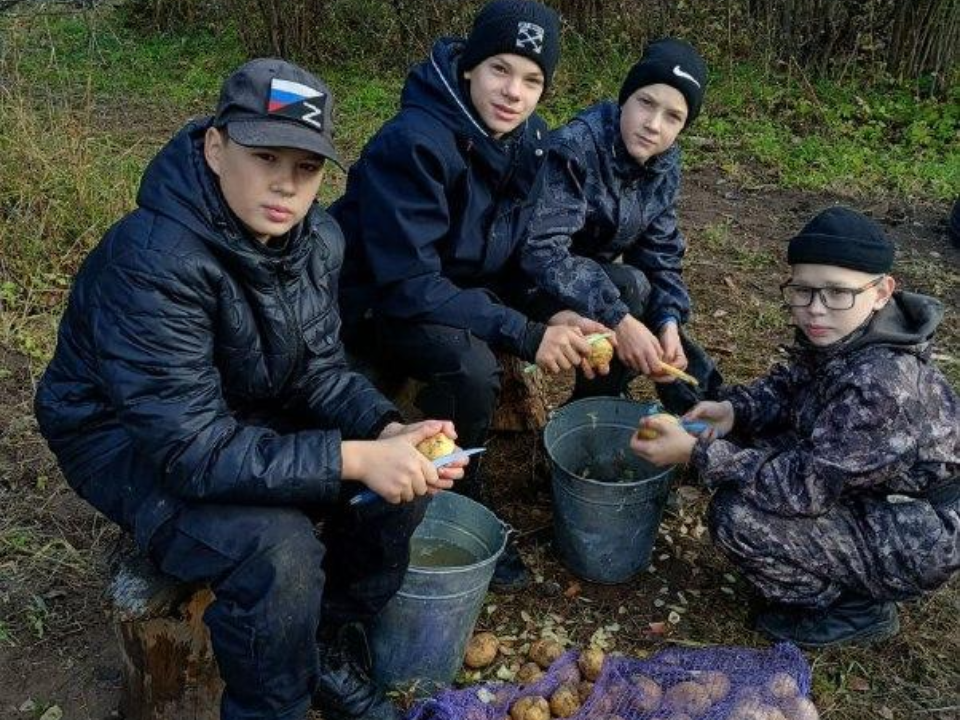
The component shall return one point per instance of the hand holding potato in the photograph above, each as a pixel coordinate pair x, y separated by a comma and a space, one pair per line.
392, 467
672, 445
562, 348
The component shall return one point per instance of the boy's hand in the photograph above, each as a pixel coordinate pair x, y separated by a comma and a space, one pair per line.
393, 467
672, 352
719, 414
672, 446
587, 327
448, 473
562, 348
637, 347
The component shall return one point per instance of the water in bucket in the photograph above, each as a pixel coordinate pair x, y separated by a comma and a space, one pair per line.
607, 502
420, 637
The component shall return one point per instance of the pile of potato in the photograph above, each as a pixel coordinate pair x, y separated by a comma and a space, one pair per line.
638, 695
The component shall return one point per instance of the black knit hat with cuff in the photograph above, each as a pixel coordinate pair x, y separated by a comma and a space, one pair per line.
844, 238
519, 27
672, 62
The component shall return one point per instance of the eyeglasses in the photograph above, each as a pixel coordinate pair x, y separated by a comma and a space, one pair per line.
833, 298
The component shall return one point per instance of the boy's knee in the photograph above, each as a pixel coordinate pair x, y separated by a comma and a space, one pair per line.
732, 520
633, 285
287, 556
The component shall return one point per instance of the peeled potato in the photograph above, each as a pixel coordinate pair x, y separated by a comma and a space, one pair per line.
591, 663
529, 673
531, 707
687, 697
799, 708
481, 650
436, 446
716, 683
565, 701
601, 353
648, 433
544, 652
782, 685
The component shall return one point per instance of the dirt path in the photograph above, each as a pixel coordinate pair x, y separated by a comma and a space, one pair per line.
57, 648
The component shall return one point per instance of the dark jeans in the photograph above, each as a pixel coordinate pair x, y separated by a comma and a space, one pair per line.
275, 578
677, 397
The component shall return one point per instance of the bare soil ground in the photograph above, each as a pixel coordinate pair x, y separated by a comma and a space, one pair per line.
56, 645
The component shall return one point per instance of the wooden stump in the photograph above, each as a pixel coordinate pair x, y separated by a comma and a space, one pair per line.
169, 672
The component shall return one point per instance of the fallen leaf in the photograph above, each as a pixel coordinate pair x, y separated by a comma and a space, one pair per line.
572, 590
52, 713
719, 313
858, 684
886, 713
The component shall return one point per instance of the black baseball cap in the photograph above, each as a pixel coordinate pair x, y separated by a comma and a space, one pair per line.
269, 102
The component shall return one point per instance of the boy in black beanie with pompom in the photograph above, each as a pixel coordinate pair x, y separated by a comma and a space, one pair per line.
838, 474
612, 178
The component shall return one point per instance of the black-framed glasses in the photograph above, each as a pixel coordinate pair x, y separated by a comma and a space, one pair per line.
833, 298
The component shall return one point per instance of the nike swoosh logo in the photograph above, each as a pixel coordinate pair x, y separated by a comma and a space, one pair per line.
680, 73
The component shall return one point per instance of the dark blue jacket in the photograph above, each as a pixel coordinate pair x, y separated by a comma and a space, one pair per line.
598, 203
434, 211
184, 341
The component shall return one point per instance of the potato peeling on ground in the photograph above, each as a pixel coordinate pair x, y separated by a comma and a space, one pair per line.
716, 683
782, 685
584, 690
591, 663
565, 702
649, 693
752, 709
648, 433
799, 708
481, 650
601, 353
687, 697
436, 446
529, 673
531, 707
545, 652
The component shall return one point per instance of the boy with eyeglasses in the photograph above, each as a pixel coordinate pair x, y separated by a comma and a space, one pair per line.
837, 474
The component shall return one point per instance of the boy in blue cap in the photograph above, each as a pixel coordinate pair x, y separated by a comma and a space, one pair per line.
838, 474
610, 188
199, 398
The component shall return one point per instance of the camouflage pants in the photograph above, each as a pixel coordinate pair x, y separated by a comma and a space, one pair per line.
871, 548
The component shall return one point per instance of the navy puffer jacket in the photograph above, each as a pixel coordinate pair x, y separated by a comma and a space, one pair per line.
185, 342
435, 209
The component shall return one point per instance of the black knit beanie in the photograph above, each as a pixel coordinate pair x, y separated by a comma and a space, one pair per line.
674, 63
518, 27
844, 238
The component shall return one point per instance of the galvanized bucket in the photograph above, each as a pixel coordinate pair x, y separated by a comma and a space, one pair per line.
607, 502
421, 635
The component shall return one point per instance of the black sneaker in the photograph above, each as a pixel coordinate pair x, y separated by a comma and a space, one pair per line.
851, 620
511, 573
345, 690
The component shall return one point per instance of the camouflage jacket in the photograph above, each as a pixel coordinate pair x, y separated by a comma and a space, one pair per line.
868, 417
598, 203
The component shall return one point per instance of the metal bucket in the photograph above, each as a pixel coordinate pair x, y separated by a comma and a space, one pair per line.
421, 635
607, 502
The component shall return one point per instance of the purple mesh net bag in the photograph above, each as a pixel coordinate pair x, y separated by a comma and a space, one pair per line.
722, 683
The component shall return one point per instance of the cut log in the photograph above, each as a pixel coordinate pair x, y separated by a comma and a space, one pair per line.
168, 672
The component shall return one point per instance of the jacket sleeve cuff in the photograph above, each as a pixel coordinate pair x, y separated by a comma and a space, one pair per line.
388, 417
530, 341
614, 315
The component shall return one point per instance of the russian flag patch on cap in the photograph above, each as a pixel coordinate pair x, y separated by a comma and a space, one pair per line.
297, 102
